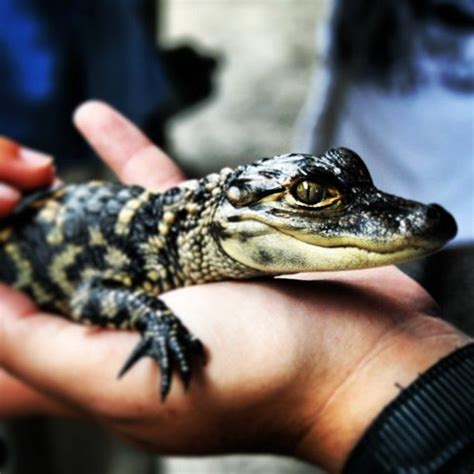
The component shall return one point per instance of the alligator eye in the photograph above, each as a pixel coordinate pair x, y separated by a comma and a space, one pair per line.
314, 194
308, 192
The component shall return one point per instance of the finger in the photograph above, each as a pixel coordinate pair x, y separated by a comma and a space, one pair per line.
18, 399
24, 168
9, 198
8, 147
130, 154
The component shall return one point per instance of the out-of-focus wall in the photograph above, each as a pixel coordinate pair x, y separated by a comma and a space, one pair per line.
268, 52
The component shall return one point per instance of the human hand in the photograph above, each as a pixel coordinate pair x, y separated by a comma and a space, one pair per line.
294, 367
21, 169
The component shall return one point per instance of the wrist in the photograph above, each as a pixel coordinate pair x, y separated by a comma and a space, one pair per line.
393, 364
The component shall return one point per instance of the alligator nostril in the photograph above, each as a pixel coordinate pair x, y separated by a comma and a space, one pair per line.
444, 222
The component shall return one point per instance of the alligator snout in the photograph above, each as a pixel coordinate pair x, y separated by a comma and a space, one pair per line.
444, 225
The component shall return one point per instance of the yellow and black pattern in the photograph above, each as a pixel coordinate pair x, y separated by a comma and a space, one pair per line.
102, 253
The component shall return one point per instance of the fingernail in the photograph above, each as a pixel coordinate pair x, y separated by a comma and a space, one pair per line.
8, 148
35, 158
8, 193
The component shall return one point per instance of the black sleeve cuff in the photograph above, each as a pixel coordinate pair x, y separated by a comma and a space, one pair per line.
428, 428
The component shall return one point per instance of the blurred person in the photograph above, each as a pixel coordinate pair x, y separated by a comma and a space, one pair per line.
397, 85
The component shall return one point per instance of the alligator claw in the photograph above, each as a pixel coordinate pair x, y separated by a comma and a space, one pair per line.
170, 344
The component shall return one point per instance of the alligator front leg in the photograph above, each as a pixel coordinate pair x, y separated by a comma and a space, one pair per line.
164, 338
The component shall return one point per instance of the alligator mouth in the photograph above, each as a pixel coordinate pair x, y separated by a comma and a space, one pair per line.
371, 256
251, 239
375, 247
401, 245
274, 252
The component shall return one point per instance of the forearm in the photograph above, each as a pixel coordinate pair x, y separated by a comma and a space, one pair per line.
393, 365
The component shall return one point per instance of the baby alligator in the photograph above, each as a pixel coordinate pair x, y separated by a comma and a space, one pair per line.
101, 253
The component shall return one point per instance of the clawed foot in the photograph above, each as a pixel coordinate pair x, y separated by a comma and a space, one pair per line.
170, 344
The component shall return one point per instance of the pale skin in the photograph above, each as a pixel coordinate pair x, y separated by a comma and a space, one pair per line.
293, 367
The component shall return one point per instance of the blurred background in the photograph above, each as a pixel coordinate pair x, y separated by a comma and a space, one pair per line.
223, 82
213, 82
266, 54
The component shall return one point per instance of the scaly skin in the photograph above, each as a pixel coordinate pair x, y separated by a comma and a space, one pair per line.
102, 253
